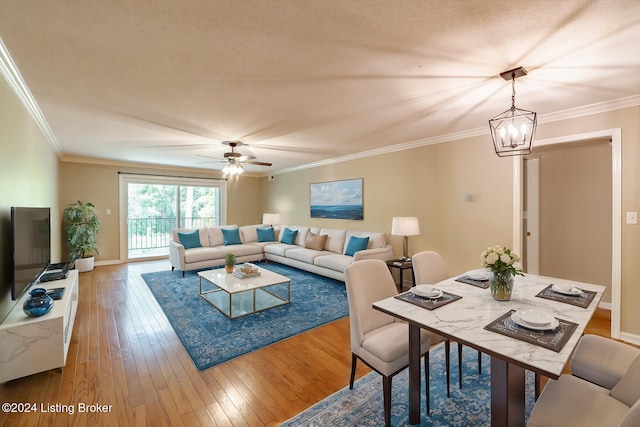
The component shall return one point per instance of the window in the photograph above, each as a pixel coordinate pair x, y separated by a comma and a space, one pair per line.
152, 206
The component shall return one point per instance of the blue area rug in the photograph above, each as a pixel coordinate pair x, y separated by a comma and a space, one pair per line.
467, 407
211, 338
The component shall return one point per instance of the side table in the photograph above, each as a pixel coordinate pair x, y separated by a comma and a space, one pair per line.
402, 265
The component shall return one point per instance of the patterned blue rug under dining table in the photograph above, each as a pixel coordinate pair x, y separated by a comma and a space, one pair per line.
469, 406
211, 338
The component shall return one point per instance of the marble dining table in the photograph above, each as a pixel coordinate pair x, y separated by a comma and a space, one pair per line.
464, 320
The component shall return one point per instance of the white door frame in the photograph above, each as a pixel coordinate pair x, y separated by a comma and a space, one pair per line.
532, 233
616, 201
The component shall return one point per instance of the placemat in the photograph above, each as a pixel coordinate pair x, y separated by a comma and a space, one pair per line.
427, 303
484, 284
583, 300
553, 339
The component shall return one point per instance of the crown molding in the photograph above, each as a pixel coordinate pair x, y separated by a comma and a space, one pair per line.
122, 163
139, 165
586, 110
14, 78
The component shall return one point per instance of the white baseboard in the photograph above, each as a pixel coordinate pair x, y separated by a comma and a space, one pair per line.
605, 305
630, 338
624, 336
108, 262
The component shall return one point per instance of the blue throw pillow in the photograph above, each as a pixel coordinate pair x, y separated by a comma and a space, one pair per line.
190, 240
266, 234
356, 244
231, 236
289, 236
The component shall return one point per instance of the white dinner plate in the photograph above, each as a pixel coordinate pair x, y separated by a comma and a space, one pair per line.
481, 274
566, 290
535, 317
552, 324
426, 291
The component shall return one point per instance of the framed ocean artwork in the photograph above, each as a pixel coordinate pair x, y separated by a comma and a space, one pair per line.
337, 199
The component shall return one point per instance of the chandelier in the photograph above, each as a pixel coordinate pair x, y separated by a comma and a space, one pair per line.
513, 131
232, 169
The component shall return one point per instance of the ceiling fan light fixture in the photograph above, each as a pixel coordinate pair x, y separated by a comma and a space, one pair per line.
232, 169
513, 130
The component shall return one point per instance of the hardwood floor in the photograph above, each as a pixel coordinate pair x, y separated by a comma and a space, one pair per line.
125, 358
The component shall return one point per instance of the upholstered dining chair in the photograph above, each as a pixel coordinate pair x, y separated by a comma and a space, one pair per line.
379, 340
428, 269
603, 390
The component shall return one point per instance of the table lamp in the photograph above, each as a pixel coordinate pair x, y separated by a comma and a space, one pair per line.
271, 218
405, 226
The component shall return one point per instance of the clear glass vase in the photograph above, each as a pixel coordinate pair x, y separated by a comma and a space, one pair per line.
501, 285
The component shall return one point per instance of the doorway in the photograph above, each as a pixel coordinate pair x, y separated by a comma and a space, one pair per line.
615, 256
567, 212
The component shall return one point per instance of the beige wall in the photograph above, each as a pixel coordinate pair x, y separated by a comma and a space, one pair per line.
243, 201
575, 214
430, 183
466, 228
427, 182
29, 177
99, 184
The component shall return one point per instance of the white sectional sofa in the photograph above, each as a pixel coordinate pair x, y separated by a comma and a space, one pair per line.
332, 259
323, 251
212, 249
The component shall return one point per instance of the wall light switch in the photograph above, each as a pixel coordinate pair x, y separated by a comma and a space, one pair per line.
632, 217
108, 211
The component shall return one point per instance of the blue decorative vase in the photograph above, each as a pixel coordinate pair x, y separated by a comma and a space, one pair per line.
37, 303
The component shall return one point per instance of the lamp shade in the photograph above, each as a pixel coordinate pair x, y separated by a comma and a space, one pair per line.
405, 226
271, 218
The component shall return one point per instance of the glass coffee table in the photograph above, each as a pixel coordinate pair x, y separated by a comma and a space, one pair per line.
236, 297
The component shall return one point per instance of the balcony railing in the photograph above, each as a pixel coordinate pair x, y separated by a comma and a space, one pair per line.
155, 233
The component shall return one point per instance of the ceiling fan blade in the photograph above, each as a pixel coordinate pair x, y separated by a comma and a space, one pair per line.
214, 158
250, 162
210, 161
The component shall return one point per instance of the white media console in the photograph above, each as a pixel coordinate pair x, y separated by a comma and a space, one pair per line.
37, 344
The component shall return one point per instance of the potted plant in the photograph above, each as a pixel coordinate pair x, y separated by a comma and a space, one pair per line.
82, 227
229, 262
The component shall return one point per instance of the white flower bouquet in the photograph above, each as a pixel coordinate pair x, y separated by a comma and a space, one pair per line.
501, 260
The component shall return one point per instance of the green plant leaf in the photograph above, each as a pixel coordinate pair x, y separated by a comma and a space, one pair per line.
82, 226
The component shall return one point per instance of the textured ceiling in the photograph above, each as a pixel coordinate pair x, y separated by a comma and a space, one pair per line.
164, 82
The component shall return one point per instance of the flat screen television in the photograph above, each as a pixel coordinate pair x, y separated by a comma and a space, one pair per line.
31, 233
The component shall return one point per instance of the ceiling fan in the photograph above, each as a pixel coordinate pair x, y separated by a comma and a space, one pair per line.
235, 159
